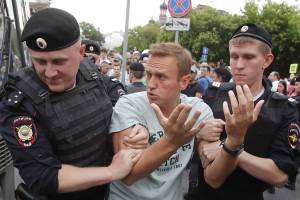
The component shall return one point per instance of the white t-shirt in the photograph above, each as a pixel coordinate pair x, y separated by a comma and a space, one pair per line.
166, 182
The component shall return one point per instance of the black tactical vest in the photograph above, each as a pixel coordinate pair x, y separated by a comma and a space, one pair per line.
77, 121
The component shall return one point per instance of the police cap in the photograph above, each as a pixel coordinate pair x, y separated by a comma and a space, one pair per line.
91, 46
254, 31
136, 66
51, 29
223, 73
297, 78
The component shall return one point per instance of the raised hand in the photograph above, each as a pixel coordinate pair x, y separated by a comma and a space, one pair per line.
211, 130
138, 138
178, 129
123, 162
243, 114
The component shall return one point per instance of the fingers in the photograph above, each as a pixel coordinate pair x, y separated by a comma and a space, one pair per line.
136, 156
233, 101
134, 131
176, 112
226, 111
257, 109
160, 116
242, 102
193, 120
183, 115
138, 133
249, 97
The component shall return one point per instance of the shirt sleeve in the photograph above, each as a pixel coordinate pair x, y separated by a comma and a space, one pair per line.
125, 115
30, 148
284, 144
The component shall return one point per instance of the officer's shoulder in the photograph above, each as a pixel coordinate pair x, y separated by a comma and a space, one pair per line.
276, 96
13, 98
226, 86
279, 97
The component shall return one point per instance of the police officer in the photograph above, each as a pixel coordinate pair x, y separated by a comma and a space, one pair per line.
55, 115
92, 50
262, 154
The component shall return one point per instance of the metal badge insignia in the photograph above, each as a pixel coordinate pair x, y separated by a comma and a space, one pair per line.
25, 131
41, 43
91, 48
244, 29
293, 135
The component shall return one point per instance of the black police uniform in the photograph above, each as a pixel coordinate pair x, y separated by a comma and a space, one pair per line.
43, 129
268, 137
274, 135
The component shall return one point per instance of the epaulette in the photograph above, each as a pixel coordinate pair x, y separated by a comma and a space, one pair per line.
291, 100
14, 98
279, 96
227, 86
215, 84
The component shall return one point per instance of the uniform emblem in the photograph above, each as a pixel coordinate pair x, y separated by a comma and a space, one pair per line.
293, 135
41, 43
91, 48
244, 29
24, 130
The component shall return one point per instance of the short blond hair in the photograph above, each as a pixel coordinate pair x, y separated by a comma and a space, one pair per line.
182, 55
265, 49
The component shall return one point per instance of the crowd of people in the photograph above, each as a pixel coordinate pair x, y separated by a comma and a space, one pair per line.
76, 132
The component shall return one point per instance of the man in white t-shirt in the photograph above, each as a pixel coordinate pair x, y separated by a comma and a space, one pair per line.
171, 119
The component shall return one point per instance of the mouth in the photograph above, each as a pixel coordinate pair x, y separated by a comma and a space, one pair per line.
152, 96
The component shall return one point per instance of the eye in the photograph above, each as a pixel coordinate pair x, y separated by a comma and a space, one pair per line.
40, 61
59, 61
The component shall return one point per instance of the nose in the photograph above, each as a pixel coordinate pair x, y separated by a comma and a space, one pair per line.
50, 71
239, 64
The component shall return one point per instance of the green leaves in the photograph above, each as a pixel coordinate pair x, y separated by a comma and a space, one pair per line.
90, 32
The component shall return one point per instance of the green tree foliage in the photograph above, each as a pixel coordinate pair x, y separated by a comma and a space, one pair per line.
142, 36
283, 21
90, 32
212, 28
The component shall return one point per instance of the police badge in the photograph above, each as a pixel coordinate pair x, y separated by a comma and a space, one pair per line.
293, 135
24, 130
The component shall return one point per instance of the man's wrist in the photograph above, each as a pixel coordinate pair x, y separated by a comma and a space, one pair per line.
169, 144
233, 150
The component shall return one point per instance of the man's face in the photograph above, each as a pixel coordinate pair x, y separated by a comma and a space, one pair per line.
297, 87
248, 63
58, 69
163, 84
204, 71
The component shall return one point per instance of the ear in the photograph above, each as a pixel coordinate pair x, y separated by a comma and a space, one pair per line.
184, 81
82, 51
268, 60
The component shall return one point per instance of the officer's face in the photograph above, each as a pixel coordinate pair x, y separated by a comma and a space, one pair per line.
163, 83
58, 69
247, 63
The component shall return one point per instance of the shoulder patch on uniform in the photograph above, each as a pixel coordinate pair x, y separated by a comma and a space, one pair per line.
24, 130
14, 98
216, 84
293, 135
